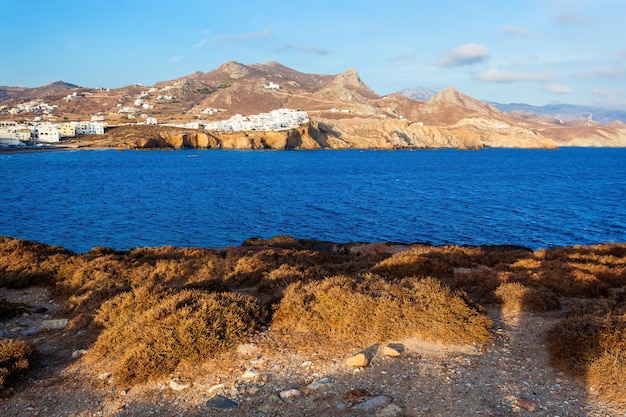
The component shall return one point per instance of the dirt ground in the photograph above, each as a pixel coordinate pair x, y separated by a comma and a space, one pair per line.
269, 377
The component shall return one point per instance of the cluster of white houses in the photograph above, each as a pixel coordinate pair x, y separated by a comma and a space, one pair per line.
16, 134
280, 119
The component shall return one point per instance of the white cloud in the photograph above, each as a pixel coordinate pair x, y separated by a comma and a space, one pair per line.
557, 89
514, 31
312, 49
497, 76
611, 72
467, 54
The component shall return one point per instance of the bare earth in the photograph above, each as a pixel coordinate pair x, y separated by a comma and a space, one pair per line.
510, 377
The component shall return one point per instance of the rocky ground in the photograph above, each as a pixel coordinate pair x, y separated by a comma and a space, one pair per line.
268, 377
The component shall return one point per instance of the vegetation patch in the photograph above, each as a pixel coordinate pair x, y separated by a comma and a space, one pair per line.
368, 309
590, 342
15, 356
517, 297
150, 331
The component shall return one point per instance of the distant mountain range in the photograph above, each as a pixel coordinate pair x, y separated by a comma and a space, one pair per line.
343, 111
564, 112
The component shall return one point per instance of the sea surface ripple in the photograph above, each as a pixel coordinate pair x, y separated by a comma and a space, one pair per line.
205, 198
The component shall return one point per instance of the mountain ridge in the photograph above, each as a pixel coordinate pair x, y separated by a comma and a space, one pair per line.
347, 111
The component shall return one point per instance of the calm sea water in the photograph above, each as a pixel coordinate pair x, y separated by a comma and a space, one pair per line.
533, 198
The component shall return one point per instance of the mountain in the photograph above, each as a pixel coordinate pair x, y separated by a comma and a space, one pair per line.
21, 93
418, 93
344, 113
565, 112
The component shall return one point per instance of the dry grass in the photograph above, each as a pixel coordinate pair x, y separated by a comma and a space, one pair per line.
160, 308
590, 342
150, 331
517, 297
15, 356
369, 309
24, 263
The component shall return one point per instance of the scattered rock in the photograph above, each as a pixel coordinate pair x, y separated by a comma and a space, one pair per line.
270, 403
356, 394
373, 403
391, 410
359, 360
78, 353
321, 383
393, 350
104, 375
221, 403
527, 405
289, 393
215, 388
306, 364
249, 374
253, 391
177, 386
247, 349
54, 324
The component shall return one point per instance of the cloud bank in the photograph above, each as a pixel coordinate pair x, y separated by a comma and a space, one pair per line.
467, 54
497, 76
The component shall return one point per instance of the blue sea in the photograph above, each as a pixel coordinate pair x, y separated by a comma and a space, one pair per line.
216, 198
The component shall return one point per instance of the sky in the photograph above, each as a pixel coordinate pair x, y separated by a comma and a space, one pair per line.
514, 51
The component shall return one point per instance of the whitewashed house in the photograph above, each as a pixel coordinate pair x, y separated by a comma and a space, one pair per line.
46, 133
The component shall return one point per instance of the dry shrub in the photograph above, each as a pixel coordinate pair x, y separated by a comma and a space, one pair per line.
589, 342
517, 297
15, 356
24, 263
280, 241
412, 263
479, 284
369, 309
280, 278
150, 331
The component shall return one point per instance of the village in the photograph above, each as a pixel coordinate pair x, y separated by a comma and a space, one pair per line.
40, 133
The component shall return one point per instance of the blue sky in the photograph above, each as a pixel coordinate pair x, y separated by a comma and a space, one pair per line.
533, 51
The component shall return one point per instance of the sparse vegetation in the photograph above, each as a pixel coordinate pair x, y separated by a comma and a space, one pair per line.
589, 342
151, 310
148, 332
15, 356
368, 309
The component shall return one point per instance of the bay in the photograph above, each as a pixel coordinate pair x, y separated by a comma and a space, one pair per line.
216, 198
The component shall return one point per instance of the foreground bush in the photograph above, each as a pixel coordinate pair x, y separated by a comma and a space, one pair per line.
150, 331
516, 297
15, 356
590, 341
368, 309
24, 263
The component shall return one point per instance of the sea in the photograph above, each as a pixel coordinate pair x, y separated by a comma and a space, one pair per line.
215, 198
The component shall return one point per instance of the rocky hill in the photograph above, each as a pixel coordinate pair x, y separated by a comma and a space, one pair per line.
345, 113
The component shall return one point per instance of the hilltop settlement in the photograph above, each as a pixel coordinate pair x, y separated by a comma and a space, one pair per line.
270, 106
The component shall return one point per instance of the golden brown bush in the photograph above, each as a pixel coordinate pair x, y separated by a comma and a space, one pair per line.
24, 263
148, 332
413, 263
15, 356
589, 342
517, 297
368, 309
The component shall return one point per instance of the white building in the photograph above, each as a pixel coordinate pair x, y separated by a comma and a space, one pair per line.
89, 128
46, 133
